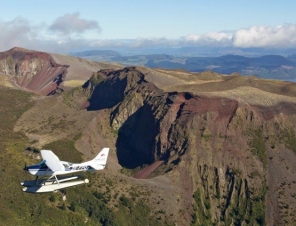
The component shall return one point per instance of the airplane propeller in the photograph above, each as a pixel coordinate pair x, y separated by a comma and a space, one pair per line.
25, 168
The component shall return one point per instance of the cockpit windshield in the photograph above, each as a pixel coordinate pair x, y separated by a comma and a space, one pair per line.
43, 165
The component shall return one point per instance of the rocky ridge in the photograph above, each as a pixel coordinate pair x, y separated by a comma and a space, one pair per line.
32, 70
44, 73
232, 156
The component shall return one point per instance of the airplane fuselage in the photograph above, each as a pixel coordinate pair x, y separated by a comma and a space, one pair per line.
42, 170
52, 167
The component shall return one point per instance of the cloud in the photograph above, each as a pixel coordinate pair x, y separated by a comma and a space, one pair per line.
64, 35
154, 42
19, 32
23, 33
110, 43
150, 42
15, 32
210, 38
283, 36
72, 24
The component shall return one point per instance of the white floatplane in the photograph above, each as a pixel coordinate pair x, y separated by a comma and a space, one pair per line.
51, 166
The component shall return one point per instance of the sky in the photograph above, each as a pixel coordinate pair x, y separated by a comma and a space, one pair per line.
64, 26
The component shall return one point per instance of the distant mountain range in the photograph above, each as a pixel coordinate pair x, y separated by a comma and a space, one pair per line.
97, 53
268, 66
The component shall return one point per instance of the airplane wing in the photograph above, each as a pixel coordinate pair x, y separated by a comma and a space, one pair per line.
52, 161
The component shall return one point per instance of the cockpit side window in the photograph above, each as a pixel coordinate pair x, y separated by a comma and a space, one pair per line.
43, 165
65, 165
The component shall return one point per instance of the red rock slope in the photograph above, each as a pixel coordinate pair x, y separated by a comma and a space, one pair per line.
44, 73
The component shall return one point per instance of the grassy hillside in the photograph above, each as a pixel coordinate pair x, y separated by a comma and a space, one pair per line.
92, 204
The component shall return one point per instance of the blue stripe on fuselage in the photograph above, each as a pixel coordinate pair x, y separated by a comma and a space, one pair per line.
34, 167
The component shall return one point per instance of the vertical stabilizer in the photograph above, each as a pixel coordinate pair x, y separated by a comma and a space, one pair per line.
99, 162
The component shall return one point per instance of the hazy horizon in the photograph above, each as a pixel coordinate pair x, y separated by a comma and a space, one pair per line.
64, 27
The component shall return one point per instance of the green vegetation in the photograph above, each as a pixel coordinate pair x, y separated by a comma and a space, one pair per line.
241, 205
7, 64
138, 211
257, 207
133, 171
17, 207
92, 204
258, 145
65, 149
206, 136
201, 207
288, 138
246, 209
239, 122
70, 97
96, 78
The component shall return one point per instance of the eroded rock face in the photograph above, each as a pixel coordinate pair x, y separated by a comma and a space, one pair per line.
32, 70
234, 160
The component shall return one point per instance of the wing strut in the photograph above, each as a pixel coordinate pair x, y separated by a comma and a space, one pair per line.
55, 178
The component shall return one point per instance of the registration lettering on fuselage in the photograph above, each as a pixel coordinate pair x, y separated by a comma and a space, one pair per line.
79, 168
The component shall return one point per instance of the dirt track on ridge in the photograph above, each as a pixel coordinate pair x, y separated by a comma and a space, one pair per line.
144, 173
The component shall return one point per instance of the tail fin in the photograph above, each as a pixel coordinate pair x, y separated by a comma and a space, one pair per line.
99, 162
